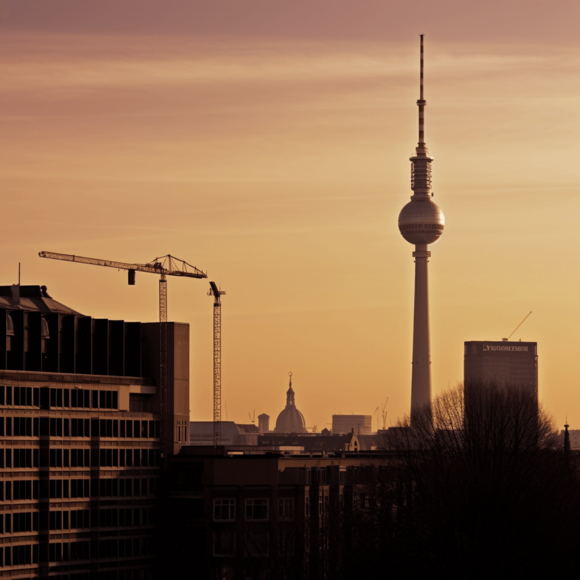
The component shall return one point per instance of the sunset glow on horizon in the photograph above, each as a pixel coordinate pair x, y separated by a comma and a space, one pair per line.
268, 143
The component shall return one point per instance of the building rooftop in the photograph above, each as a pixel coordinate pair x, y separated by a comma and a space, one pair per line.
31, 299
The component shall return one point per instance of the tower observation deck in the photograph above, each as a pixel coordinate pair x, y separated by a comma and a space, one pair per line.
421, 223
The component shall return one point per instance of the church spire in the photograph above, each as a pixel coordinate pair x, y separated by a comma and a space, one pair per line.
290, 392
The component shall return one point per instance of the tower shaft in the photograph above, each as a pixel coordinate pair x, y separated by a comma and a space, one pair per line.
421, 373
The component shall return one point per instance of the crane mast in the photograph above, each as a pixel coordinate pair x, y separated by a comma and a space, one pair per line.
163, 363
163, 266
217, 362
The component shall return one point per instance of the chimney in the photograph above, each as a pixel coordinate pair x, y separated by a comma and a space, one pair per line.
15, 294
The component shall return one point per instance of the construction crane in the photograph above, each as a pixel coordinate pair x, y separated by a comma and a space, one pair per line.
217, 362
373, 416
526, 317
384, 414
163, 266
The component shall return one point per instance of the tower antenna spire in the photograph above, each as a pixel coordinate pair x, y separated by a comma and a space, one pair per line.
421, 102
421, 96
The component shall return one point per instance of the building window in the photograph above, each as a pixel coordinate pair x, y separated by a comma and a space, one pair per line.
257, 544
223, 543
223, 573
224, 510
286, 542
286, 509
256, 509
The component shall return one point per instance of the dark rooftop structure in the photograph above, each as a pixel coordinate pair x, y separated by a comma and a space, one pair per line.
31, 299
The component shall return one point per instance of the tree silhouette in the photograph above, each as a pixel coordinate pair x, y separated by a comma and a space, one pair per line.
493, 492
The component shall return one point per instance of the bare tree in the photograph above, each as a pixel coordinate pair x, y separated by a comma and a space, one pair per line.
492, 490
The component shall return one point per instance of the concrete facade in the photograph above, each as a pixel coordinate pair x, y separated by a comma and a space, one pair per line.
80, 450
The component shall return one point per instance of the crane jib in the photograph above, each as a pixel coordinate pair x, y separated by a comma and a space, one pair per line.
153, 268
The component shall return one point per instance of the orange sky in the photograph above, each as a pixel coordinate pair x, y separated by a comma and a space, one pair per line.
268, 143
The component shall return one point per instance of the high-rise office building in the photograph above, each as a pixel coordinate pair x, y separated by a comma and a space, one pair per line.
80, 438
421, 223
503, 364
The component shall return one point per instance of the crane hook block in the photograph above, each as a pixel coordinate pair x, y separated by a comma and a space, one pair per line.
131, 277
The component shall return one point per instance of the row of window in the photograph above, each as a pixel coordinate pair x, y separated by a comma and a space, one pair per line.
131, 574
21, 555
48, 397
29, 489
129, 458
59, 427
256, 509
313, 475
31, 458
127, 429
75, 520
255, 543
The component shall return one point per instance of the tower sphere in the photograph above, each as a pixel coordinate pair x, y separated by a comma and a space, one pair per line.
421, 221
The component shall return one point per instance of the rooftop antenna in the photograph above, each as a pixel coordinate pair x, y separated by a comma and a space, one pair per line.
18, 273
506, 339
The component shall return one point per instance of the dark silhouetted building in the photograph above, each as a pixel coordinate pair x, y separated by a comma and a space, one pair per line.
80, 449
263, 516
511, 364
361, 424
290, 420
202, 433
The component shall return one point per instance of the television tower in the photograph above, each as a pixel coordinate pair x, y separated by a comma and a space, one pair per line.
421, 223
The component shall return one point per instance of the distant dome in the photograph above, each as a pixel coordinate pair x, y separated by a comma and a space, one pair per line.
421, 221
290, 420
